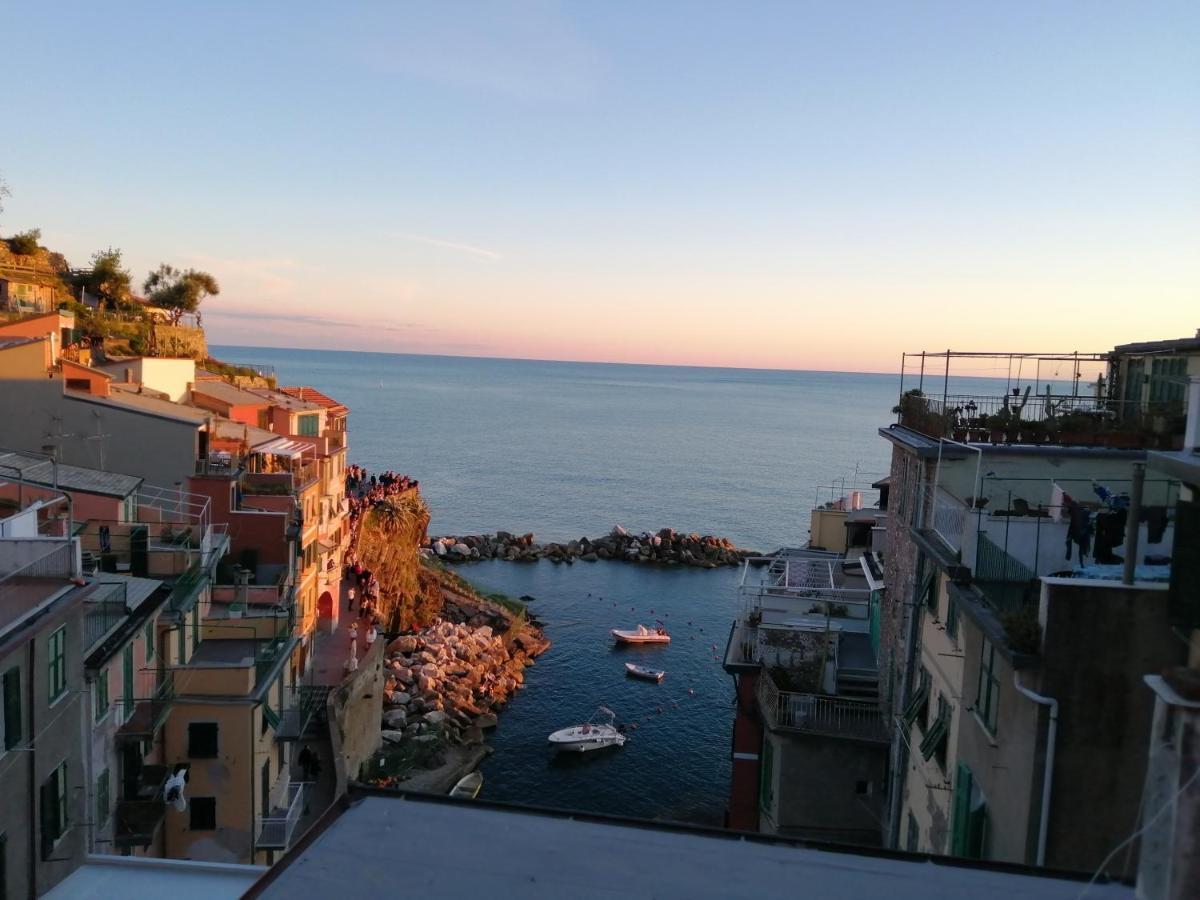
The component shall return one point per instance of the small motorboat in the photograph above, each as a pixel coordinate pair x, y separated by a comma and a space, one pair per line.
642, 672
642, 635
597, 734
468, 786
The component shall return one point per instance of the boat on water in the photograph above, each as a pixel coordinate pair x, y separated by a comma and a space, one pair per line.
468, 786
596, 734
643, 672
642, 635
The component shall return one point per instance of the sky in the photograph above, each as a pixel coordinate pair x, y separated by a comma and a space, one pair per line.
775, 185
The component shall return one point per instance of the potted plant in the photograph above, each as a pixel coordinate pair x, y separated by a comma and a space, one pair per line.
997, 425
1033, 432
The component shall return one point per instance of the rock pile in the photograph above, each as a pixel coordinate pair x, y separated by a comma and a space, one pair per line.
665, 547
446, 682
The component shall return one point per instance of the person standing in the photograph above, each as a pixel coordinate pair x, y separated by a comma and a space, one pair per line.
350, 594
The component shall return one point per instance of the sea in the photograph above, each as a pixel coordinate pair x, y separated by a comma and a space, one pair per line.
565, 450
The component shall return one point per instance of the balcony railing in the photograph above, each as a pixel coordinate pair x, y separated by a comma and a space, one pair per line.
186, 590
947, 516
820, 714
267, 654
104, 610
1045, 419
154, 692
300, 704
57, 562
276, 831
138, 815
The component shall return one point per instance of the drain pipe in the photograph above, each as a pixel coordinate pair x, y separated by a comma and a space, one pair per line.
1131, 522
1048, 773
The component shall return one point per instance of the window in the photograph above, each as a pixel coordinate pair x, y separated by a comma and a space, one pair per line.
203, 814
100, 694
181, 648
968, 826
918, 703
766, 788
195, 627
309, 425
57, 666
938, 733
149, 637
54, 809
127, 688
202, 740
951, 616
930, 591
103, 799
912, 839
12, 708
988, 701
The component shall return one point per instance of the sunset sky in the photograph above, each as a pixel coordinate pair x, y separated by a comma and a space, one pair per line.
778, 185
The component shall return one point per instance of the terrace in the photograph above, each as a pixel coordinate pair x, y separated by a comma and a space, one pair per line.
1045, 399
275, 831
808, 628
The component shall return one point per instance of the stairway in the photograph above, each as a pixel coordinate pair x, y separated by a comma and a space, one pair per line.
858, 684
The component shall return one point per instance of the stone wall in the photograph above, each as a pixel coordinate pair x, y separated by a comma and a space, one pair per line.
354, 711
181, 341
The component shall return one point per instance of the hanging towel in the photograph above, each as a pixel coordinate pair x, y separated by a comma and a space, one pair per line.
1155, 518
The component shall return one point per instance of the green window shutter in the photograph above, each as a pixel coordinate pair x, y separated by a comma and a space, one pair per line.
766, 790
961, 810
12, 708
936, 735
917, 703
103, 800
47, 811
270, 716
149, 635
127, 679
101, 694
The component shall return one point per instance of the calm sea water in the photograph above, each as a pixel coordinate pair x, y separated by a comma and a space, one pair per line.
570, 449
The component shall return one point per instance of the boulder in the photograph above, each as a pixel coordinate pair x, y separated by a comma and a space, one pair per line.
392, 737
396, 718
487, 720
436, 717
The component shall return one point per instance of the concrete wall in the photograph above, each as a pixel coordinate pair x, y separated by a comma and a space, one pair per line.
37, 414
25, 361
171, 376
1101, 638
355, 711
815, 785
827, 529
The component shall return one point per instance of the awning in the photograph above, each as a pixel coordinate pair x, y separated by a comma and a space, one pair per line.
283, 447
327, 546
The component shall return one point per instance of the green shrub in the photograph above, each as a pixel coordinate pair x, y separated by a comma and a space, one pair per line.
25, 243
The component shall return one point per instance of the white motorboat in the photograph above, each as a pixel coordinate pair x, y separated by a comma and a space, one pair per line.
642, 635
468, 786
597, 734
642, 672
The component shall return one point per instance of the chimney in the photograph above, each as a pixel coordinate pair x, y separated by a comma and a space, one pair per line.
1169, 863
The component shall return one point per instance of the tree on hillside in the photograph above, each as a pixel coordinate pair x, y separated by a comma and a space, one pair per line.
108, 279
25, 243
179, 291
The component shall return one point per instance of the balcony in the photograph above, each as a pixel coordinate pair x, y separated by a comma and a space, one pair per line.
1050, 419
277, 829
820, 714
947, 517
300, 704
31, 570
153, 696
103, 612
137, 817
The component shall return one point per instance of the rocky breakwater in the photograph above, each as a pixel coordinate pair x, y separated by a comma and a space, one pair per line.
664, 547
444, 686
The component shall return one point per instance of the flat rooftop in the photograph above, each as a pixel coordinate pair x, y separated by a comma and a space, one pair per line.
140, 878
233, 652
477, 849
41, 471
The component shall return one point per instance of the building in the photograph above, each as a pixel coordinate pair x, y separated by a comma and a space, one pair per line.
43, 824
1015, 636
810, 741
31, 283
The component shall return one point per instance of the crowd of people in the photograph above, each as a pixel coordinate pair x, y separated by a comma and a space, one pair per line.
363, 491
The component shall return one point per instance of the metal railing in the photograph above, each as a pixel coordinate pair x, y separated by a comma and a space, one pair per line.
300, 703
946, 515
266, 655
57, 563
186, 589
104, 610
821, 714
275, 832
153, 694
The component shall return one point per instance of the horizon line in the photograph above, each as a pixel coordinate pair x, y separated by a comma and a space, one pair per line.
597, 362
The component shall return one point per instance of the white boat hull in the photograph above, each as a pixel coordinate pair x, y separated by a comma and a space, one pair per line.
640, 637
642, 672
578, 740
